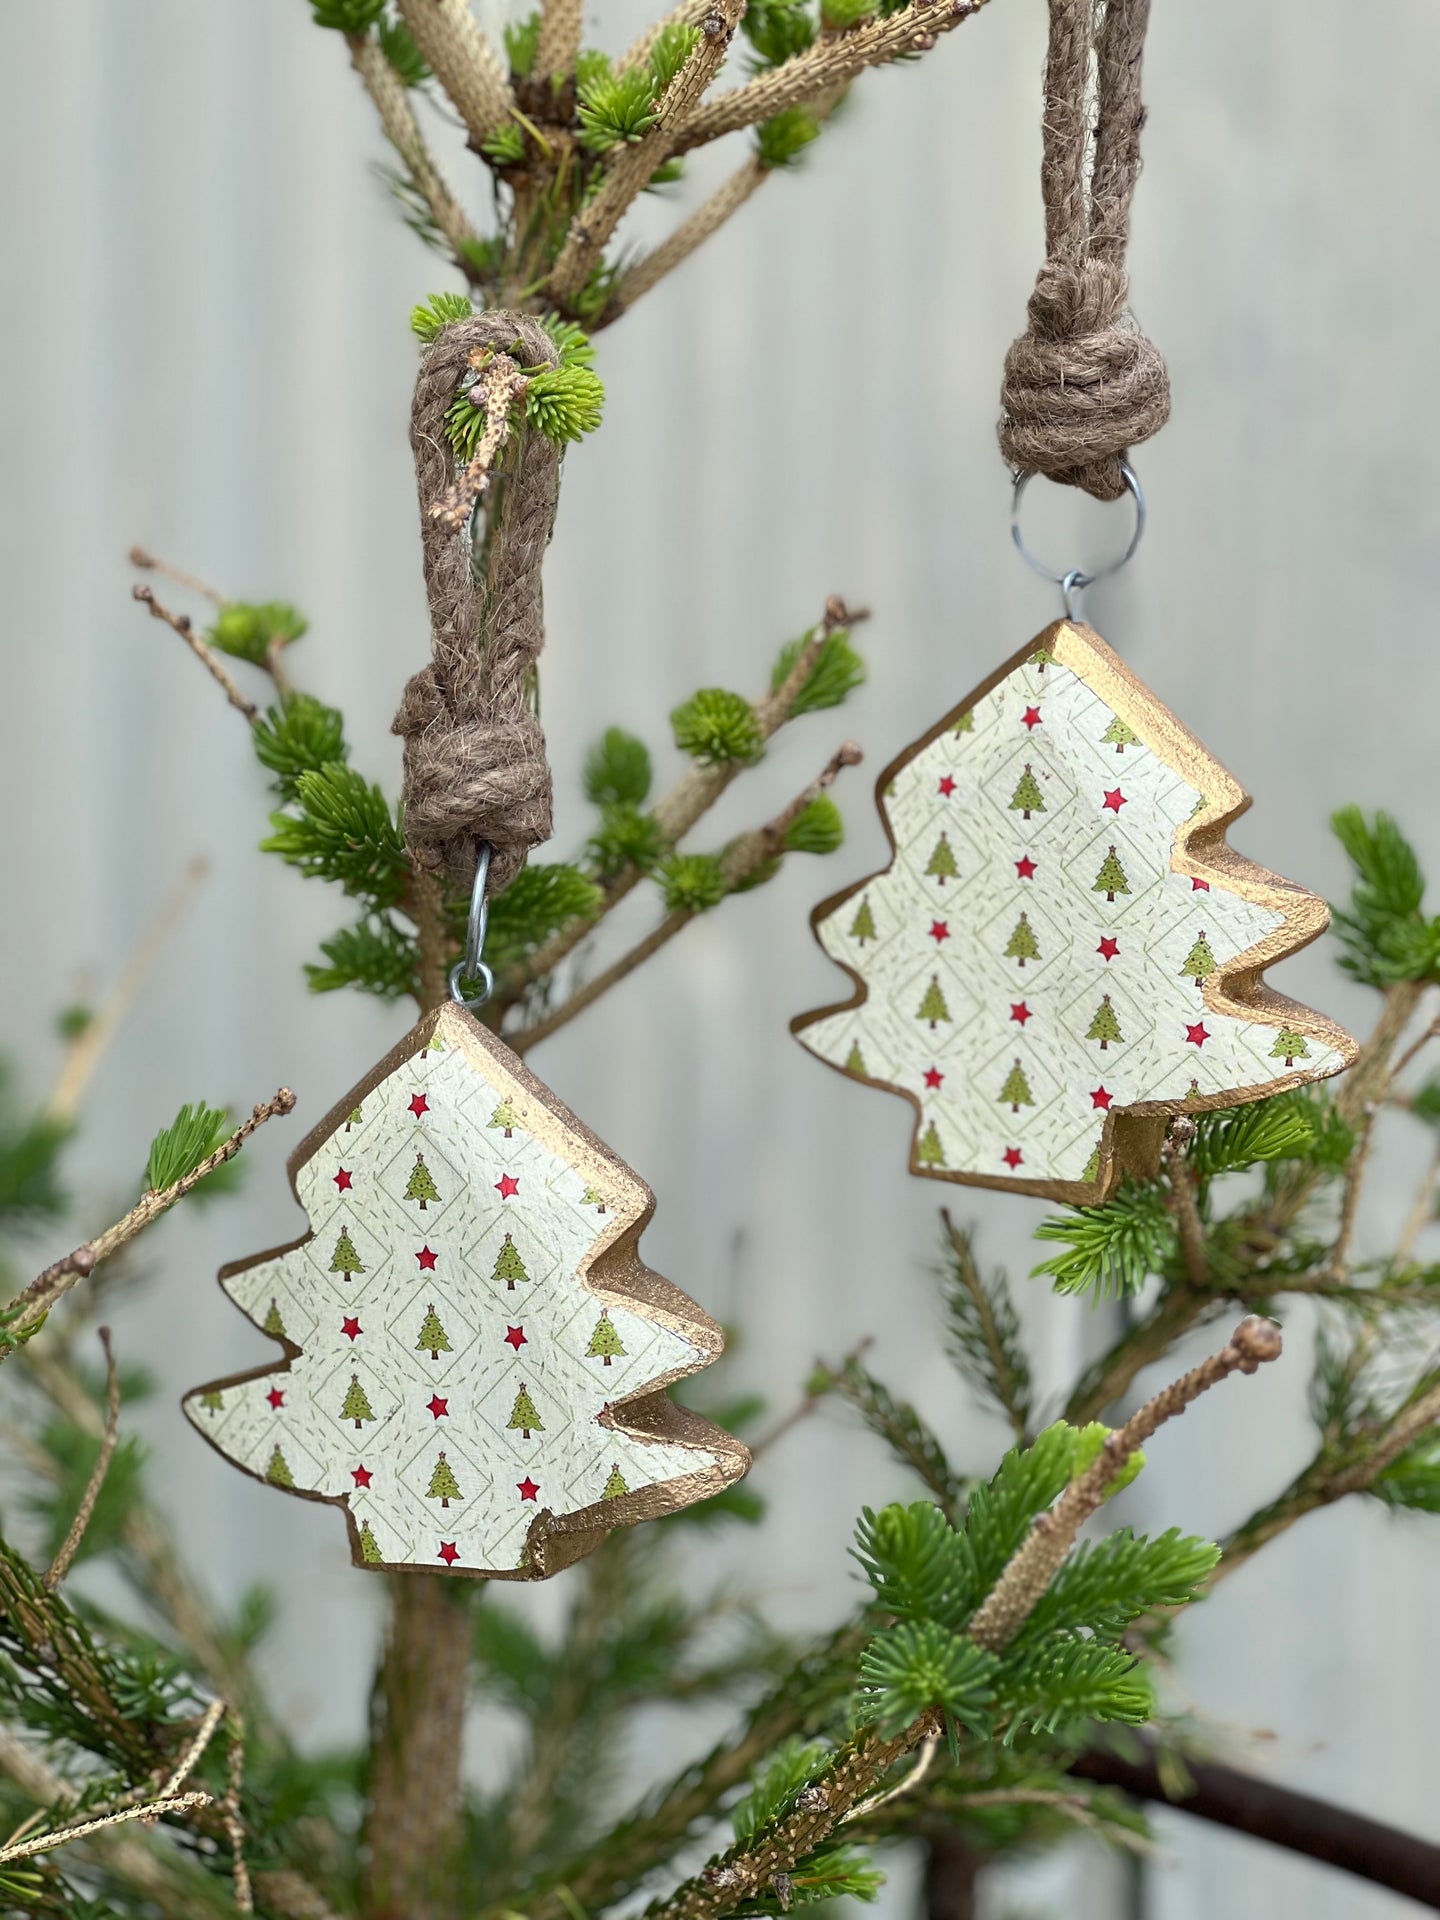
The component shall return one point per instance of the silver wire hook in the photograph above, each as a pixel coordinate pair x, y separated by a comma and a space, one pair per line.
472, 967
1072, 583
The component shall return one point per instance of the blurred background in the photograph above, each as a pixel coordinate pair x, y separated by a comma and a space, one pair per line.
203, 347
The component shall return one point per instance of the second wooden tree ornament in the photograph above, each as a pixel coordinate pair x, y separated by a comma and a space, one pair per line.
1064, 951
475, 1355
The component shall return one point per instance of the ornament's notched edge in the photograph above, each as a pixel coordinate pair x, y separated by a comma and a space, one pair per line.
613, 1273
1130, 1142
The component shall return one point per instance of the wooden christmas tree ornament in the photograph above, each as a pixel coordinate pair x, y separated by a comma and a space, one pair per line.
475, 1355
1063, 950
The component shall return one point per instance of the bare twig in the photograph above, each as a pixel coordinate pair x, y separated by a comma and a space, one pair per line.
1422, 1210
465, 64
148, 562
831, 62
402, 130
689, 13
501, 382
182, 624
902, 1789
558, 41
70, 1546
149, 1811
1025, 1579
803, 1409
85, 1050
1190, 1228
27, 1309
744, 857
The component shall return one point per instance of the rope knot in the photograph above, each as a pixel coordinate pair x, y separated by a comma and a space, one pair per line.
471, 780
1082, 384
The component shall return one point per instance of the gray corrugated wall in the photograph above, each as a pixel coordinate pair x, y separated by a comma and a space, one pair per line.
202, 316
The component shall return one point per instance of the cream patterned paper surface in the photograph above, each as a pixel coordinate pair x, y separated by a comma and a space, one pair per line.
1063, 934
465, 1324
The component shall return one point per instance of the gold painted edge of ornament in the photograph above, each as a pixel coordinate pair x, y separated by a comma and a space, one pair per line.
613, 1273
1132, 1136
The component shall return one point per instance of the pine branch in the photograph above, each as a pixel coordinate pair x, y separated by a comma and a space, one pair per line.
464, 62
744, 858
831, 62
28, 1309
182, 624
635, 164
558, 41
686, 804
689, 13
402, 130
985, 1333
70, 1546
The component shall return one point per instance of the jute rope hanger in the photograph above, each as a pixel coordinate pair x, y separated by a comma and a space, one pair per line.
475, 765
1083, 384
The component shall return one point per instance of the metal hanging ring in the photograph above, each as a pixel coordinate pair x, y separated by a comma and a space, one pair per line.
1071, 583
472, 968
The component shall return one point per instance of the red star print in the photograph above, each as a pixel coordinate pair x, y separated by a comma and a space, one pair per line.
1114, 799
933, 1076
1025, 868
1031, 718
515, 1337
1100, 1098
449, 1552
947, 784
427, 1260
275, 1397
1197, 1036
507, 1187
437, 1406
1012, 1157
350, 1328
1108, 947
526, 1488
939, 930
342, 1180
362, 1476
1199, 886
419, 1105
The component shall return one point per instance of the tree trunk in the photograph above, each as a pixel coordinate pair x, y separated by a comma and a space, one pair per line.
412, 1816
951, 1873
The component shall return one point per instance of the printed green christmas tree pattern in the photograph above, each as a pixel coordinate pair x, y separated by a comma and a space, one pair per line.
862, 927
942, 865
1100, 946
465, 1363
855, 1060
504, 1117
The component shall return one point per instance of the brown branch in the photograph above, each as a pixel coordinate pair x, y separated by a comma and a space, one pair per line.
832, 61
631, 170
70, 1546
744, 857
182, 624
464, 63
147, 562
1025, 1579
83, 1054
689, 13
684, 806
501, 382
402, 130
1278, 1814
29, 1308
558, 41
1422, 1210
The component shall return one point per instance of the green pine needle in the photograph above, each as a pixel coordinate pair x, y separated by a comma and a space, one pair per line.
1384, 934
246, 631
1112, 1249
347, 16
777, 30
818, 828
669, 51
300, 735
522, 42
192, 1136
345, 830
837, 672
984, 1329
909, 1669
506, 146
780, 140
919, 1566
1281, 1128
575, 345
617, 770
538, 902
464, 424
692, 882
615, 109
776, 1786
374, 957
1067, 1681
438, 311
624, 838
838, 16
565, 403
717, 727
399, 46
30, 1189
